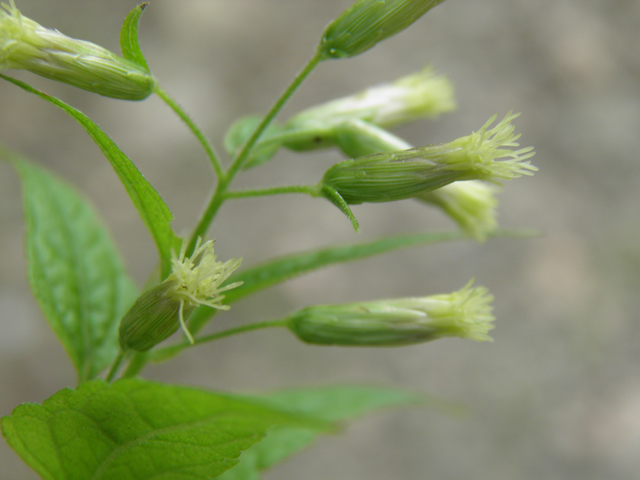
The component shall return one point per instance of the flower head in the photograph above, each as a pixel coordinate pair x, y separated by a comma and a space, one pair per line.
385, 177
25, 44
159, 312
405, 321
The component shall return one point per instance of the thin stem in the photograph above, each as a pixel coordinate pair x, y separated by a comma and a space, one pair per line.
113, 371
242, 157
263, 192
166, 353
218, 196
206, 145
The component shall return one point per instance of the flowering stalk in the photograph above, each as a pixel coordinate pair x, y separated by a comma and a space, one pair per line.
24, 44
159, 312
394, 176
406, 321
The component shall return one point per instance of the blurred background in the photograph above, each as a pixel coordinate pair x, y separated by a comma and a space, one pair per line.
555, 396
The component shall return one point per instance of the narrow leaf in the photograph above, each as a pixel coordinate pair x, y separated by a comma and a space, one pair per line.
330, 404
129, 37
137, 430
75, 271
154, 212
284, 268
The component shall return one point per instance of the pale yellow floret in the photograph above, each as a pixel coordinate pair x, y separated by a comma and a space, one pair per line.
198, 282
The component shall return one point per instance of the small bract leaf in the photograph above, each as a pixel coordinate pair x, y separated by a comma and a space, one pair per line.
75, 271
137, 430
129, 37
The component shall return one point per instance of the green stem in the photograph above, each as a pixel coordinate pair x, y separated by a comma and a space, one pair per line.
224, 180
242, 157
166, 353
206, 145
263, 192
113, 371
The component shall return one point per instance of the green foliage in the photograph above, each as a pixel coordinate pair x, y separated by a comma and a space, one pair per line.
75, 271
328, 403
134, 429
139, 430
154, 212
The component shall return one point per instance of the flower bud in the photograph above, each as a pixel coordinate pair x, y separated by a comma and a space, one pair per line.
368, 22
406, 321
387, 177
423, 94
24, 44
471, 204
159, 312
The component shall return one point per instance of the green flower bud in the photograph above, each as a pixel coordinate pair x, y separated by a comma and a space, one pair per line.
159, 312
368, 22
406, 321
387, 177
423, 94
472, 204
24, 44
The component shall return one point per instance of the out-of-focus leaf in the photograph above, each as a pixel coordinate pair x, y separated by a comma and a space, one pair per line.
75, 270
138, 430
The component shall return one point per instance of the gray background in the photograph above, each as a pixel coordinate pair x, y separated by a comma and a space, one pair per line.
556, 396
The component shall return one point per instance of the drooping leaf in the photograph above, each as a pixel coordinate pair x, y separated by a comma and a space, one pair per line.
129, 37
330, 404
154, 212
290, 266
75, 270
137, 430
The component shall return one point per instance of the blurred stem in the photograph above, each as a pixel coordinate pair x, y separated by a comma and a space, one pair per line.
166, 353
263, 192
206, 145
113, 371
224, 181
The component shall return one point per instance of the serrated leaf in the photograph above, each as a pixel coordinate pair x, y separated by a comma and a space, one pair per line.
129, 37
75, 271
330, 404
240, 132
137, 430
284, 268
154, 212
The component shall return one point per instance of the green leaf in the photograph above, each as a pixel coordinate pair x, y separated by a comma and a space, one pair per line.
285, 268
75, 271
129, 37
330, 404
240, 132
154, 212
136, 430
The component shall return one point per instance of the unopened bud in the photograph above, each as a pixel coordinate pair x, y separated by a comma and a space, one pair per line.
159, 312
423, 94
406, 321
385, 177
368, 22
24, 44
